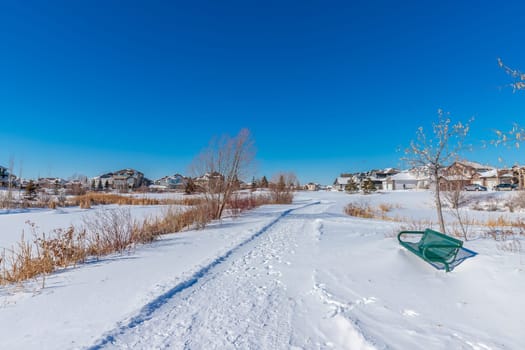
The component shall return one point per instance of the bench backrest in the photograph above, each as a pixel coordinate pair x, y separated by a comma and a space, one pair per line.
448, 245
434, 237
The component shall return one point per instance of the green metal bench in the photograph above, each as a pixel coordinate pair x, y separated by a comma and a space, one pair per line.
433, 247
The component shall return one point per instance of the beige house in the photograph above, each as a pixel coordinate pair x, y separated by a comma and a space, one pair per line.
462, 173
312, 187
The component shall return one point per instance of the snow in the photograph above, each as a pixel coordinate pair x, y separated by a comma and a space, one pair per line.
299, 276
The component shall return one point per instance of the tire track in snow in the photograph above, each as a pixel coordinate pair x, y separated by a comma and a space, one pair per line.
147, 310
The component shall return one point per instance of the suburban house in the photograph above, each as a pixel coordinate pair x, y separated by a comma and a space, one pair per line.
461, 173
416, 178
519, 176
171, 182
343, 180
488, 179
126, 179
209, 180
312, 186
378, 177
340, 183
51, 183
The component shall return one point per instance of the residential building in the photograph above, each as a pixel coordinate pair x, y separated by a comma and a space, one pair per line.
176, 181
126, 179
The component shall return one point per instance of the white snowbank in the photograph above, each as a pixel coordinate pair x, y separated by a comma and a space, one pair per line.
303, 276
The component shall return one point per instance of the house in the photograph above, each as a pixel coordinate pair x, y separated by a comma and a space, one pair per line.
460, 174
506, 176
51, 183
378, 177
312, 186
519, 176
176, 181
211, 181
488, 179
125, 179
341, 182
415, 178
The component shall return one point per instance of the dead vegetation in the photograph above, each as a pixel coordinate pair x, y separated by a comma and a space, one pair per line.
105, 232
89, 199
365, 210
501, 228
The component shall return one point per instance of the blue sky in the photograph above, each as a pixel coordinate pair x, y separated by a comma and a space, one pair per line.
324, 86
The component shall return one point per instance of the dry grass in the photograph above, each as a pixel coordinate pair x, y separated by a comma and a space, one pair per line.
87, 200
95, 198
106, 232
360, 210
240, 203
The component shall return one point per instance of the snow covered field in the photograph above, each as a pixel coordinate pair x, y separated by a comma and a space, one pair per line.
300, 276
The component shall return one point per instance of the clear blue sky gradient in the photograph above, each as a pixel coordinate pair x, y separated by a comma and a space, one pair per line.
325, 87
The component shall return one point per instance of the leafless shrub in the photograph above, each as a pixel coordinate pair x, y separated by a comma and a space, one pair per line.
386, 207
492, 205
456, 198
175, 219
220, 166
517, 201
109, 231
361, 210
62, 199
43, 199
5, 202
23, 262
64, 247
281, 188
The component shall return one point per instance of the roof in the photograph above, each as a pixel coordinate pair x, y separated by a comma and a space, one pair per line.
404, 175
474, 165
342, 180
490, 173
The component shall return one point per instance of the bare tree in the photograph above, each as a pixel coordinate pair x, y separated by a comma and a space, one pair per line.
281, 187
456, 198
436, 150
222, 164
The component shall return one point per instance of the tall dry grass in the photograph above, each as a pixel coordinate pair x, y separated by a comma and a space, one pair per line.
105, 232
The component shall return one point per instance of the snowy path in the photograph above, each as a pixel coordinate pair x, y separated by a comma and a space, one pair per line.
242, 302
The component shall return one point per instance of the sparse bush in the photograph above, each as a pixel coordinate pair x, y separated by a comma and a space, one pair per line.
280, 191
385, 207
360, 210
109, 231
22, 262
517, 201
64, 247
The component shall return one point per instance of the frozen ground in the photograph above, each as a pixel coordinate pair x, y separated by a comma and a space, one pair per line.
302, 276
